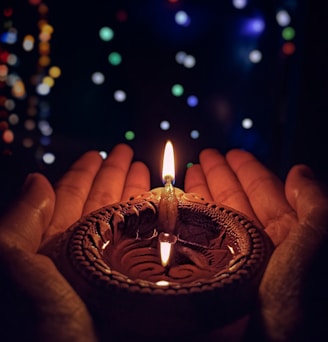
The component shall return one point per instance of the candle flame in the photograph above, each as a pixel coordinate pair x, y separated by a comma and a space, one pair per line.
165, 249
168, 170
166, 241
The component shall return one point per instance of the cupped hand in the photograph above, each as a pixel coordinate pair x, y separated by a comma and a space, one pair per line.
38, 304
292, 294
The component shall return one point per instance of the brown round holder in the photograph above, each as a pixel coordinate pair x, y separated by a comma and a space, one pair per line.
220, 258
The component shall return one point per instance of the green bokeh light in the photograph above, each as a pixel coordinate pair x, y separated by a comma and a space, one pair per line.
177, 90
114, 58
106, 34
129, 135
288, 33
190, 164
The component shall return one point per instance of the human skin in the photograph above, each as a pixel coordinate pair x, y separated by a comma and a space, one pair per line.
292, 294
40, 305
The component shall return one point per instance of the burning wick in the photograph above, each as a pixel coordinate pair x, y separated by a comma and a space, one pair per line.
168, 206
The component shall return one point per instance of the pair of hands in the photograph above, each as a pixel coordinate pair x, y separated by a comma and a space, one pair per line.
39, 303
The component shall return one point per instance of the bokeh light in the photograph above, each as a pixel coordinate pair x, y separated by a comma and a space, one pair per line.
120, 95
48, 158
194, 134
98, 77
182, 18
189, 61
177, 90
180, 57
239, 4
43, 89
103, 154
129, 135
288, 48
54, 72
106, 34
192, 101
288, 33
114, 58
8, 136
283, 18
255, 56
165, 125
247, 123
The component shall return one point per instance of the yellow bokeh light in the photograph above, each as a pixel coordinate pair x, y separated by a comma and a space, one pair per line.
47, 29
54, 71
18, 89
48, 81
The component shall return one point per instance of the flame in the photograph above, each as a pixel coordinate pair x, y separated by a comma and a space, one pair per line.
165, 250
168, 170
166, 241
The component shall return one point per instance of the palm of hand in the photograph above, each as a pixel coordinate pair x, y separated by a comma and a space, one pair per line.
290, 215
38, 295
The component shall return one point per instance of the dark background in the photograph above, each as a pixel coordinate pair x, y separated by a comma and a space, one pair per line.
285, 96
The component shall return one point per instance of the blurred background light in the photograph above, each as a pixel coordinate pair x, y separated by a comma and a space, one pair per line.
182, 18
177, 90
194, 134
129, 135
247, 123
240, 4
106, 34
165, 125
192, 101
288, 33
114, 58
283, 18
98, 77
255, 56
120, 95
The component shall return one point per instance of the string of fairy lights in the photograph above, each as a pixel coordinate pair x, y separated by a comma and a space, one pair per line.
25, 110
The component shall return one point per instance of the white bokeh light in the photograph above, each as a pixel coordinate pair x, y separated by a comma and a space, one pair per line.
283, 18
120, 95
98, 78
247, 123
103, 154
165, 125
189, 61
240, 4
255, 56
48, 158
182, 18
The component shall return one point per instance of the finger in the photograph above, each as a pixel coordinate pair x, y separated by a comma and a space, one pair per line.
308, 197
222, 182
265, 192
109, 183
22, 227
137, 181
195, 182
72, 191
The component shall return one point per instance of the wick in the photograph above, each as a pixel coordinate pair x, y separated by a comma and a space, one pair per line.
168, 207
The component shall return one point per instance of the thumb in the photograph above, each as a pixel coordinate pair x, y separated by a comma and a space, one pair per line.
27, 218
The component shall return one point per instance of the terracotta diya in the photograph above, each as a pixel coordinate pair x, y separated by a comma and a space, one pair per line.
164, 264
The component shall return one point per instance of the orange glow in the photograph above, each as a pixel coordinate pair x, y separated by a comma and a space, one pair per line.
168, 169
